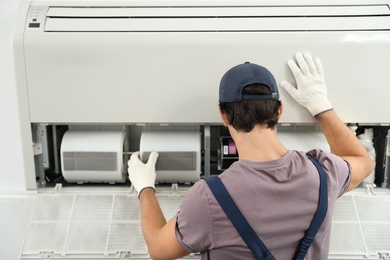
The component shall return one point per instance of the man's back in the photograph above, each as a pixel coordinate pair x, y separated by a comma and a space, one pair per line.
278, 198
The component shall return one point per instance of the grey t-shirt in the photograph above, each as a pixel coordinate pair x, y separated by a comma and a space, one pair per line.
278, 198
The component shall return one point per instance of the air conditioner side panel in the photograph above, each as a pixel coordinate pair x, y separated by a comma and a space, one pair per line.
174, 77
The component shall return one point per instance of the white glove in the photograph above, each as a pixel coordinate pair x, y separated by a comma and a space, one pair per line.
311, 89
142, 175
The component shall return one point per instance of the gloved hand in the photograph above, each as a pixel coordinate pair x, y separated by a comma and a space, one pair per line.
142, 175
311, 89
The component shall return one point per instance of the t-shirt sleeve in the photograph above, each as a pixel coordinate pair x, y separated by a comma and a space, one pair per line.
338, 170
194, 221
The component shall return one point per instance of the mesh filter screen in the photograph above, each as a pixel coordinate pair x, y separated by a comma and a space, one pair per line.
103, 225
90, 224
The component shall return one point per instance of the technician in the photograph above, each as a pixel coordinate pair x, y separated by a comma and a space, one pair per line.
276, 189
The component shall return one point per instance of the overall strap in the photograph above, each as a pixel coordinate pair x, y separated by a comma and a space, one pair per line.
319, 215
238, 220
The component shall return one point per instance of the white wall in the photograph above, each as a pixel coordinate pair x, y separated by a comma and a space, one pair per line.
11, 168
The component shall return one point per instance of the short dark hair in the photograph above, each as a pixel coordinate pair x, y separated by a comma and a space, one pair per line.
244, 115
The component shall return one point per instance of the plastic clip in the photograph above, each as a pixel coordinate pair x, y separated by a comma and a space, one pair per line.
132, 189
175, 189
370, 189
58, 188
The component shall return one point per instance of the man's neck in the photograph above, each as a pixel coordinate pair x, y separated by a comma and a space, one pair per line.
261, 144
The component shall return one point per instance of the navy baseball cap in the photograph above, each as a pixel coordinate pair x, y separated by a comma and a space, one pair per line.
243, 75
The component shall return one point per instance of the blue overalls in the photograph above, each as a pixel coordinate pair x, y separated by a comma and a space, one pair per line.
249, 235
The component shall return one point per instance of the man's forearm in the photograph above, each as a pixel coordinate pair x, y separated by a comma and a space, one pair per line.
341, 139
152, 218
159, 234
345, 144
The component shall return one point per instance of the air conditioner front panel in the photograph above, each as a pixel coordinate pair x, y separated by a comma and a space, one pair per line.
174, 77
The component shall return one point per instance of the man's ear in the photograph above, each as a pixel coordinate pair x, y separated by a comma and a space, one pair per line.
223, 117
280, 111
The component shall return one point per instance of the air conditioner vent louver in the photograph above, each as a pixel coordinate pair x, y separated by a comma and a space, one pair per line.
211, 19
